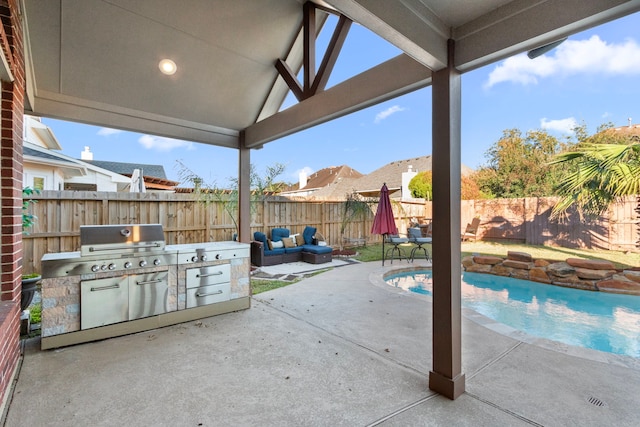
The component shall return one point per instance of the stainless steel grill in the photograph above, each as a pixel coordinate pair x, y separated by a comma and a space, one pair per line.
124, 272
113, 248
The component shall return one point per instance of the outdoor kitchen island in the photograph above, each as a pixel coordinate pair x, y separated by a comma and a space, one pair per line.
125, 280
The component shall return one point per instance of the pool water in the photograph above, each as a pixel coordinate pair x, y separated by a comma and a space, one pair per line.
596, 320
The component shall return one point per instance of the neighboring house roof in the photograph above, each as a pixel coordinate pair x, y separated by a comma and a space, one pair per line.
631, 131
336, 191
336, 182
156, 171
322, 179
391, 174
35, 154
36, 130
328, 176
154, 176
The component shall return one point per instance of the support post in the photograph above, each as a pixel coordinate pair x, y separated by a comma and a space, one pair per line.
446, 377
244, 192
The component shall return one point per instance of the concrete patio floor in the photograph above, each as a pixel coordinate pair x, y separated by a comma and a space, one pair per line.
339, 348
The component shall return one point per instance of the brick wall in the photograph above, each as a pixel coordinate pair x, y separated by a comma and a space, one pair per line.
11, 117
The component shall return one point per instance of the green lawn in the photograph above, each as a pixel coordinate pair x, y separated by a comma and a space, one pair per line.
620, 259
374, 253
264, 285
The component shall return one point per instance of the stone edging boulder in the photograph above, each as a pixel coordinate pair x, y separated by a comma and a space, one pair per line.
592, 275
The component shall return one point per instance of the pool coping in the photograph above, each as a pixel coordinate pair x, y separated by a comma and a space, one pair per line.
377, 278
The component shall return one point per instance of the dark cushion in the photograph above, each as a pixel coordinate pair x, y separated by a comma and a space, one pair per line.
278, 233
268, 252
261, 237
315, 249
308, 234
293, 249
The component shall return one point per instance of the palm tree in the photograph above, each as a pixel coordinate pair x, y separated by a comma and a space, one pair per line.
600, 174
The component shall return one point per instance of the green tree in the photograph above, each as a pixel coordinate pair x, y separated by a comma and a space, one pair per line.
354, 207
469, 188
518, 166
421, 185
602, 168
259, 185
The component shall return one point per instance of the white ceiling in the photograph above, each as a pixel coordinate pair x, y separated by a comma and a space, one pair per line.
96, 61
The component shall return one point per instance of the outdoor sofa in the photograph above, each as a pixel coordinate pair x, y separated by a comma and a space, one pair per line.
283, 247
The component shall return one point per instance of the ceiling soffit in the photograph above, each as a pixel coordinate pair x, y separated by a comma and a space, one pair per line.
96, 61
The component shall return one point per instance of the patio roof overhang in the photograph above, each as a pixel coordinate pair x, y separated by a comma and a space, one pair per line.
96, 62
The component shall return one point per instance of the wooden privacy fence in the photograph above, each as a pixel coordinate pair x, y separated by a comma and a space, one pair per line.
186, 220
526, 220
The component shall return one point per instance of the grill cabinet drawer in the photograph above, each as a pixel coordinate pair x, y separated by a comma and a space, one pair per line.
204, 276
208, 285
208, 294
104, 301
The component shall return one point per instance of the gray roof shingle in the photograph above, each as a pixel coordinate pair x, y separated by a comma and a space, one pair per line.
156, 171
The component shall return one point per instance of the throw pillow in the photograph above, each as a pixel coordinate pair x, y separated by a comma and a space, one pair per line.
299, 240
277, 245
270, 243
319, 237
289, 242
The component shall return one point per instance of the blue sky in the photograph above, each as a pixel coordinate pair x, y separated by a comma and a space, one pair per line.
594, 77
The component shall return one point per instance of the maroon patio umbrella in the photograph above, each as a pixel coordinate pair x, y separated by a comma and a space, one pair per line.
383, 223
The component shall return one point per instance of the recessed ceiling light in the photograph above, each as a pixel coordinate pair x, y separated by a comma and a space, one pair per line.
167, 67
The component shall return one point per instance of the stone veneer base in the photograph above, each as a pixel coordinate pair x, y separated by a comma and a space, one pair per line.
145, 324
592, 275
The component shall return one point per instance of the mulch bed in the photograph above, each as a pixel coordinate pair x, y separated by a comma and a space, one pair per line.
344, 252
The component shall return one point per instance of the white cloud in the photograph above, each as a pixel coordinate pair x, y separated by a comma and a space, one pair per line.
592, 56
159, 143
562, 125
386, 113
108, 131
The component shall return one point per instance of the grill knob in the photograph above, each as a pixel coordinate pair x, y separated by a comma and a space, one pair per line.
156, 261
194, 259
143, 263
217, 256
127, 264
103, 267
95, 268
203, 258
112, 266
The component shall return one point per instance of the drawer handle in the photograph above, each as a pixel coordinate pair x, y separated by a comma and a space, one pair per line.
198, 294
217, 273
105, 288
149, 282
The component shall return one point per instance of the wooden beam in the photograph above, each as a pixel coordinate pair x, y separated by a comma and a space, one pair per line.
520, 26
331, 54
55, 105
415, 30
309, 64
290, 79
390, 79
446, 377
244, 192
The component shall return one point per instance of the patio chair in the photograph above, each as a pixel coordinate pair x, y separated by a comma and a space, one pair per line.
396, 241
415, 237
471, 231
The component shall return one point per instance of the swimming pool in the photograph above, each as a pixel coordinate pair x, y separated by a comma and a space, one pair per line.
596, 320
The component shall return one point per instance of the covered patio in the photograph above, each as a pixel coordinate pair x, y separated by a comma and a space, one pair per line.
97, 62
340, 348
